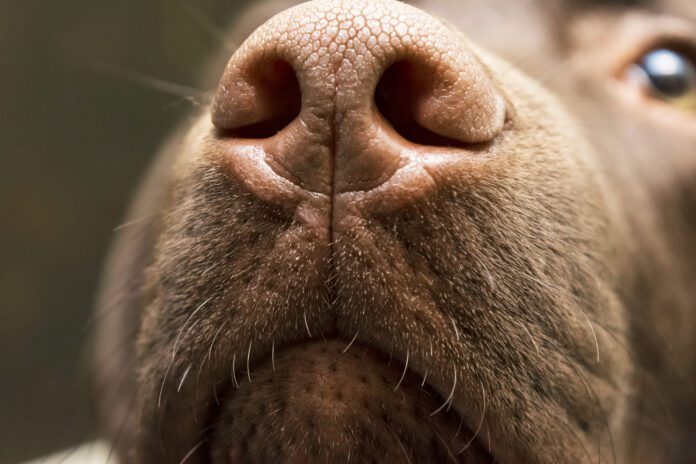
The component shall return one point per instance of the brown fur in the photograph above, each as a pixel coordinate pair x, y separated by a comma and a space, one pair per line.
550, 281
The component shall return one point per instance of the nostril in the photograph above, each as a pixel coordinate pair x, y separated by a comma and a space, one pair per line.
452, 105
265, 100
398, 92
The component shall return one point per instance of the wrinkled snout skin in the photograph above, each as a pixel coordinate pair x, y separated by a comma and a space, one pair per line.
435, 232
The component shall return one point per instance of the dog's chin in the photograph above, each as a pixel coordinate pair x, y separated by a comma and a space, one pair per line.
321, 402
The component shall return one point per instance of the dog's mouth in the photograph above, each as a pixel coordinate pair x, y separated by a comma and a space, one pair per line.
332, 401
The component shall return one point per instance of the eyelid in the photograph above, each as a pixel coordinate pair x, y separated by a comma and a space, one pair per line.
664, 31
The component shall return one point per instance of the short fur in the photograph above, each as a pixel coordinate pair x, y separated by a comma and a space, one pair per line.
551, 283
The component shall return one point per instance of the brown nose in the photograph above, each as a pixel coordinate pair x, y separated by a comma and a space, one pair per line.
340, 96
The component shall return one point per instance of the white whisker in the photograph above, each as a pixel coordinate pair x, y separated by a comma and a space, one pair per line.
193, 450
209, 268
459, 429
212, 343
207, 24
154, 83
273, 355
188, 319
403, 374
403, 448
183, 377
478, 429
306, 324
134, 221
164, 380
444, 443
530, 337
234, 374
247, 363
450, 397
351, 342
594, 335
456, 330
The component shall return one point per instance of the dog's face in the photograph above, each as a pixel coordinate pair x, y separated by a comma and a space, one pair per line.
395, 238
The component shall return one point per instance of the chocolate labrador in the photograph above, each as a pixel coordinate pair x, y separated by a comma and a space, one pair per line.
444, 231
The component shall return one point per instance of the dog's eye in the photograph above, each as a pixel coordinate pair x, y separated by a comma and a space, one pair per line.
665, 74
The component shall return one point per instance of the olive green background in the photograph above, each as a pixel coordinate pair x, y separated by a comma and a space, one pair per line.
75, 138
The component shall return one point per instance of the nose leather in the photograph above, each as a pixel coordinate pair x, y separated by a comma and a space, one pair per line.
310, 75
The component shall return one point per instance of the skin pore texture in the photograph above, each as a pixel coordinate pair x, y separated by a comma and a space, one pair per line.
437, 232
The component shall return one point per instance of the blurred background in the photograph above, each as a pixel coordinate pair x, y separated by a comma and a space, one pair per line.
77, 131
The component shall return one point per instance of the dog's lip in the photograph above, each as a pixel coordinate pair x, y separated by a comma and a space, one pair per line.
447, 403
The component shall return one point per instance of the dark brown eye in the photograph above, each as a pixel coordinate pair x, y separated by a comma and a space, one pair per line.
665, 74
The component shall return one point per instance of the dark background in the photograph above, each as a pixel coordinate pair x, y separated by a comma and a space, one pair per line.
76, 135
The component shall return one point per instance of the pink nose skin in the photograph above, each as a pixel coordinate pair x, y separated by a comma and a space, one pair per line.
354, 101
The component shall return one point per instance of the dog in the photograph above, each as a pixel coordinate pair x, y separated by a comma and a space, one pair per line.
430, 232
